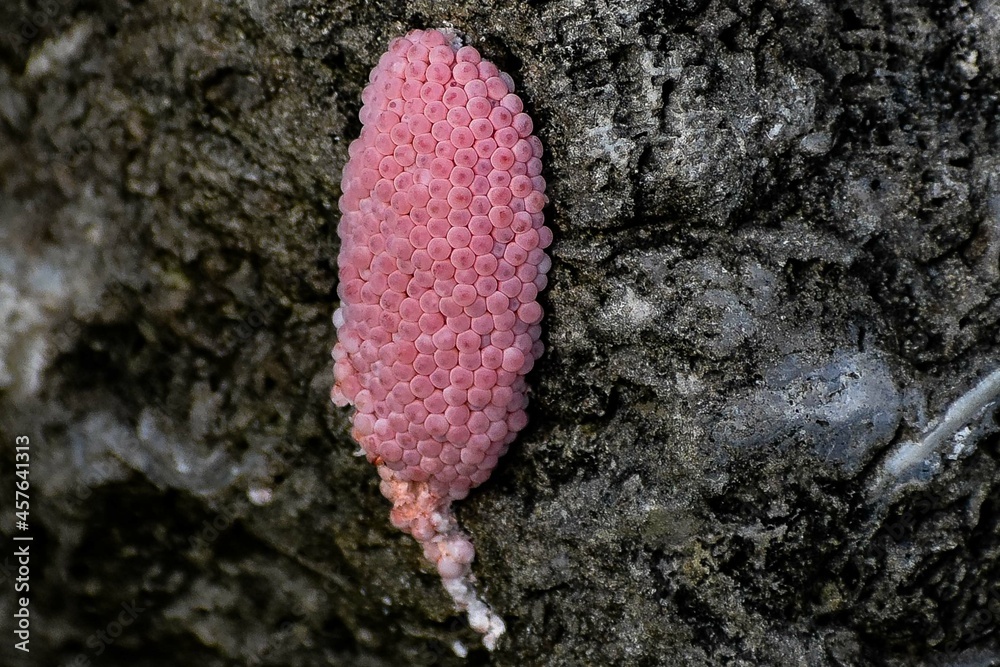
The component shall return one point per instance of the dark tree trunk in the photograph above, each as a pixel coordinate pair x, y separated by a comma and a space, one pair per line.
775, 272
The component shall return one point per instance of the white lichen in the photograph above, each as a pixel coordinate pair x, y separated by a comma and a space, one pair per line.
910, 457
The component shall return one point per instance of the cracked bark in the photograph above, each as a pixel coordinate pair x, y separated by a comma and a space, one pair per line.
776, 259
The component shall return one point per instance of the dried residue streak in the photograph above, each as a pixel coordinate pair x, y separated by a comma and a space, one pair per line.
441, 262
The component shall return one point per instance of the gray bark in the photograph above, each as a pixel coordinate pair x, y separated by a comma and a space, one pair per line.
775, 275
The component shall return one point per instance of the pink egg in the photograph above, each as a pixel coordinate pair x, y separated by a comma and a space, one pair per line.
441, 261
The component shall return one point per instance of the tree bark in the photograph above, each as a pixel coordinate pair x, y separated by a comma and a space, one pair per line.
775, 274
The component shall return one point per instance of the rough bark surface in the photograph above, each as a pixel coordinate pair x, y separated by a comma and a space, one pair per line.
777, 256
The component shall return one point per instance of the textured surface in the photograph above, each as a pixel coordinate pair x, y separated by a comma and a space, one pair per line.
442, 256
752, 203
441, 261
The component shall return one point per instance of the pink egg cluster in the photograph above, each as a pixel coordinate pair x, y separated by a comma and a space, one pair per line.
441, 262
